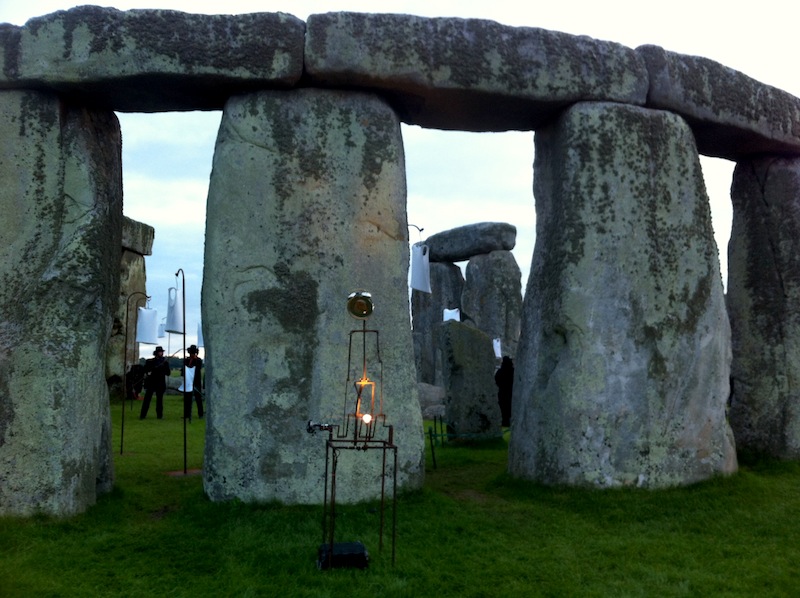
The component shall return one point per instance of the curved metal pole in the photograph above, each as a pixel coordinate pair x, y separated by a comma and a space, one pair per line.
183, 368
125, 362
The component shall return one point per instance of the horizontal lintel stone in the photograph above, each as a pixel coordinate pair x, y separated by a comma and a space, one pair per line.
469, 74
731, 114
152, 60
137, 236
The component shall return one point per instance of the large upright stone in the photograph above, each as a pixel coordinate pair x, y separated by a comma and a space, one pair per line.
492, 297
61, 199
137, 242
468, 366
306, 204
427, 309
152, 60
469, 74
622, 370
764, 305
461, 243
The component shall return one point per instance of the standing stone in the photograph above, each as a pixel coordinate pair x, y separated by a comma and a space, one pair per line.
764, 306
61, 199
622, 370
492, 297
447, 283
306, 204
137, 242
467, 359
431, 400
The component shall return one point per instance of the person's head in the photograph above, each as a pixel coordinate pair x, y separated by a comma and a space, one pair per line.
159, 351
192, 350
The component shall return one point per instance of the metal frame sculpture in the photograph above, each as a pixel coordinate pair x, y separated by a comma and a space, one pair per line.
359, 431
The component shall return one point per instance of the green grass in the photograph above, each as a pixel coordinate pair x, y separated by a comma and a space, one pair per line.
472, 531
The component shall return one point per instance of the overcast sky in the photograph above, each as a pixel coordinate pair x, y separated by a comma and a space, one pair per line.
453, 178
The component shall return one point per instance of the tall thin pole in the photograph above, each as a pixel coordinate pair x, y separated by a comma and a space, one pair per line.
183, 368
138, 294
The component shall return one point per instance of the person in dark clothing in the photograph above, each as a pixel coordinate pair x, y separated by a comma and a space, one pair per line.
156, 371
134, 382
193, 369
504, 378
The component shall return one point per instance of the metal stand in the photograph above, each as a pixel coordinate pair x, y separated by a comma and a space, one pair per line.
183, 364
358, 432
333, 447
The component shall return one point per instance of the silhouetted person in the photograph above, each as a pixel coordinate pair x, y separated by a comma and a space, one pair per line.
193, 368
134, 382
156, 371
504, 378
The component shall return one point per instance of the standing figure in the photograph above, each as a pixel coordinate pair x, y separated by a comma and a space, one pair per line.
504, 378
134, 382
193, 375
156, 371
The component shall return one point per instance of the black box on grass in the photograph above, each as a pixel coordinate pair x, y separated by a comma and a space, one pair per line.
345, 555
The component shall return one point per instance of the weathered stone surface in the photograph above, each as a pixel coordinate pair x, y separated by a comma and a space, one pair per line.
469, 74
61, 197
468, 369
732, 115
492, 297
623, 363
447, 283
137, 236
152, 60
764, 306
446, 73
137, 242
306, 204
461, 243
132, 293
431, 400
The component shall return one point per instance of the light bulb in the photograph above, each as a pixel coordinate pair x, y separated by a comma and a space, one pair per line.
366, 418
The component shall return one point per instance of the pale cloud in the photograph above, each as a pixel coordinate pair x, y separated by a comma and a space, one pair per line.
171, 202
169, 129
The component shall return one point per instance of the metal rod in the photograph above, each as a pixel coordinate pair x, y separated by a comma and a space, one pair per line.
364, 347
383, 501
183, 369
325, 499
433, 447
138, 294
333, 506
394, 507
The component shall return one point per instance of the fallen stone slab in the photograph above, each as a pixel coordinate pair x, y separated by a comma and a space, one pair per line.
461, 243
469, 74
732, 115
152, 60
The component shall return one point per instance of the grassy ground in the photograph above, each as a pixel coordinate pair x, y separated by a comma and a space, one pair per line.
472, 531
